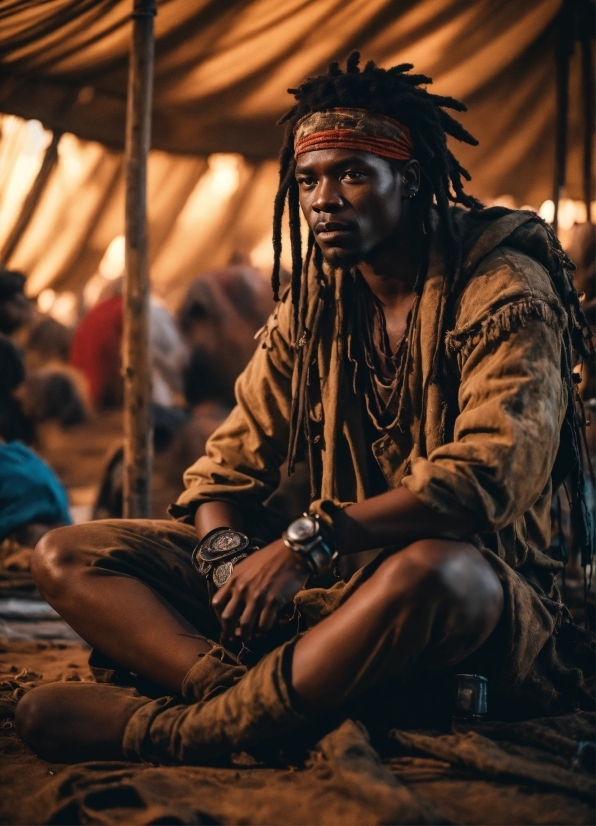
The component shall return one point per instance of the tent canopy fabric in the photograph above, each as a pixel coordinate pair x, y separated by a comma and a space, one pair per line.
203, 214
222, 70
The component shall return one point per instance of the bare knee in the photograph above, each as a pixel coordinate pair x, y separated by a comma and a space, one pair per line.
53, 560
451, 579
420, 570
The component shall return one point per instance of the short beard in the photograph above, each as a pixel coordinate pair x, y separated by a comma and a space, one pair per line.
345, 260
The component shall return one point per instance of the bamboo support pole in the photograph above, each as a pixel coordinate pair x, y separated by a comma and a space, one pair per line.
136, 355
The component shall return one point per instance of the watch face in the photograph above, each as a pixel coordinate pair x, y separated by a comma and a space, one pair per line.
301, 529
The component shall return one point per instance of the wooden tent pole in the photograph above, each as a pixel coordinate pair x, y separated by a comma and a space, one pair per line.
564, 49
136, 355
589, 130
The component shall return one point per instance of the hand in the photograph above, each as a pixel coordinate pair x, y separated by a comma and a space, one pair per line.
259, 587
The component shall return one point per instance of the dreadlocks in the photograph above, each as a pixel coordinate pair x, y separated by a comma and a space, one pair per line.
394, 93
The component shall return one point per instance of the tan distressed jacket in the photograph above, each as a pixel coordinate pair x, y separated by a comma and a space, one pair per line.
490, 458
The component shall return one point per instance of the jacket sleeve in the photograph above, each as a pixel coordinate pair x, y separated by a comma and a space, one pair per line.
511, 406
242, 457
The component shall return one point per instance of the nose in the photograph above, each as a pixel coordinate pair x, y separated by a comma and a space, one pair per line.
327, 197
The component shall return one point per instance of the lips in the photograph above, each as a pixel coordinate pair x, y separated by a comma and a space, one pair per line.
331, 226
332, 230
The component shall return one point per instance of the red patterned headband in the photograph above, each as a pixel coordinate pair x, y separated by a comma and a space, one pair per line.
353, 129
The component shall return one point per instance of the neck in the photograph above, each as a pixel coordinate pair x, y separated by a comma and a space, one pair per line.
391, 269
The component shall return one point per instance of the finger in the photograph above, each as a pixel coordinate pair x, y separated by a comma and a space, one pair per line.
221, 599
269, 613
231, 613
249, 617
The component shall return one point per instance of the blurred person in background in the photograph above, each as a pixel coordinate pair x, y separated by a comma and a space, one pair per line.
16, 310
177, 434
43, 339
36, 385
96, 351
54, 393
15, 425
48, 342
221, 313
32, 499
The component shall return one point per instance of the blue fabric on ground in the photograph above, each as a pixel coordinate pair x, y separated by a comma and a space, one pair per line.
29, 490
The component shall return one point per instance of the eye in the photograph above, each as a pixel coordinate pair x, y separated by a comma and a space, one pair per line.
306, 182
353, 176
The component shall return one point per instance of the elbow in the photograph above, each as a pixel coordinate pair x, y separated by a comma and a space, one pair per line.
489, 482
497, 509
474, 499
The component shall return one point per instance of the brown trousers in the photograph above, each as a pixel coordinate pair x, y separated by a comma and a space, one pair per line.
158, 553
529, 661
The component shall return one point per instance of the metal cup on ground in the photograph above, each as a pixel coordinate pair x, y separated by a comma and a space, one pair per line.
470, 697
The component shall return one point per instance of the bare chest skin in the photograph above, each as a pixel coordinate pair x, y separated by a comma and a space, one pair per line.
396, 317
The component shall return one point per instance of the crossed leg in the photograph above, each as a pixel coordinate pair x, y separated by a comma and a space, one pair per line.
125, 618
435, 599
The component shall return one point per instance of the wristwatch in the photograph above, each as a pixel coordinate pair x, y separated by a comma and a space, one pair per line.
307, 537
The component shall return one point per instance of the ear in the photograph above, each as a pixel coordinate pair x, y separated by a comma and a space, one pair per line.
410, 180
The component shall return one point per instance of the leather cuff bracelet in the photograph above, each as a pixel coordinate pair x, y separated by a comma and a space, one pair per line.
307, 537
218, 553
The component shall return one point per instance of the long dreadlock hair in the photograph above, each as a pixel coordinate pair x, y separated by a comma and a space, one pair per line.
394, 93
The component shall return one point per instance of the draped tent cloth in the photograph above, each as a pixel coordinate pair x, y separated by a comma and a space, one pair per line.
80, 212
222, 70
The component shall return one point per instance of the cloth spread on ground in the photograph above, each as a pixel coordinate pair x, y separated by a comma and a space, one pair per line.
506, 773
29, 490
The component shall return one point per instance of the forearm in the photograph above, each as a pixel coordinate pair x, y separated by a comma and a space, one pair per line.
393, 518
212, 515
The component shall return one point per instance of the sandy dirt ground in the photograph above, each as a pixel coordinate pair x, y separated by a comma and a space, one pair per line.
501, 774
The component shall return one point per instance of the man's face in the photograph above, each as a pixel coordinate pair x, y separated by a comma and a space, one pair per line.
351, 200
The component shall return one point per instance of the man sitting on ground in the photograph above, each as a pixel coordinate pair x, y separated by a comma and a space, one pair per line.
421, 362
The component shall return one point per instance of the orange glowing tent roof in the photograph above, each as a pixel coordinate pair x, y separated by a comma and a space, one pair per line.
222, 69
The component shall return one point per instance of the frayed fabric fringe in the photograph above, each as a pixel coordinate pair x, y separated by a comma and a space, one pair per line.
507, 319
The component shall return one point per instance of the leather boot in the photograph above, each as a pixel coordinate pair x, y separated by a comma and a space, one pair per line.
255, 708
212, 674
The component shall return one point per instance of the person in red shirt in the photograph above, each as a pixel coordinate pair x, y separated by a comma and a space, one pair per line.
96, 351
